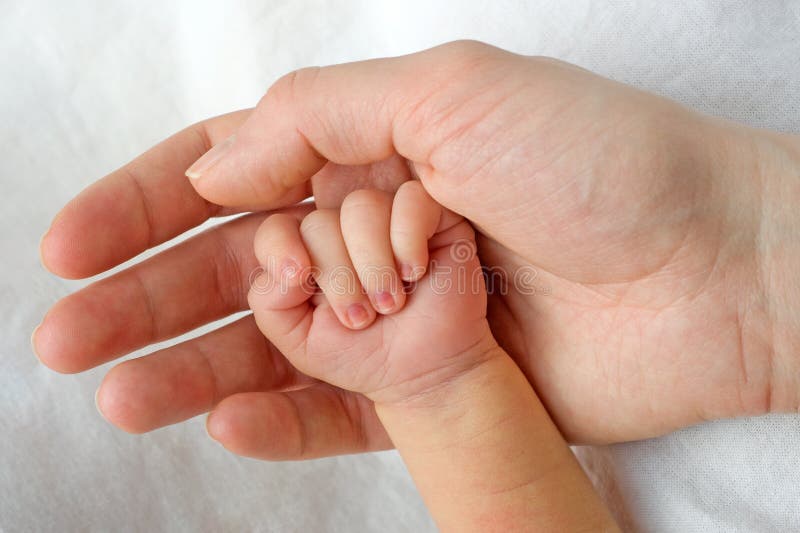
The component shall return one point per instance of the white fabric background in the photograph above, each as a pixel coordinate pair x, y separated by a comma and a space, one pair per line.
85, 86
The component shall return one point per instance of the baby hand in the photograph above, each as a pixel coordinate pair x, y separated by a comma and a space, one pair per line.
477, 441
362, 330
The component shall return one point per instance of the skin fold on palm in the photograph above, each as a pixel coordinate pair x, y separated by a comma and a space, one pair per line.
644, 223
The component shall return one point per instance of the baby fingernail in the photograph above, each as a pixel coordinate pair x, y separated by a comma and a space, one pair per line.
358, 315
210, 158
384, 301
406, 271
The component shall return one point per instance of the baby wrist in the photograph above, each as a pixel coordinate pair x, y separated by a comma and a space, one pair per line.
486, 456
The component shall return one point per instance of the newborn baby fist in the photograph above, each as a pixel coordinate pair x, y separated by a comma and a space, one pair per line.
384, 296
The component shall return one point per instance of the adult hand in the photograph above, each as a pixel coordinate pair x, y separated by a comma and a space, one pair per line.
658, 234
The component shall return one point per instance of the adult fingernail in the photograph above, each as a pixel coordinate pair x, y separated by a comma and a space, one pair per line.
41, 247
358, 315
33, 342
210, 158
384, 301
207, 427
96, 403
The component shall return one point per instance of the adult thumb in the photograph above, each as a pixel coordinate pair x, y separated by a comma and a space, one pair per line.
348, 114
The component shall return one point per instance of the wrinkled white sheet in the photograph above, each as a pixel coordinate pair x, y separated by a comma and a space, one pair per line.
85, 86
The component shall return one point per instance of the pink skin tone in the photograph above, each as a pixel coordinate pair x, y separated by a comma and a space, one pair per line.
391, 354
480, 445
664, 239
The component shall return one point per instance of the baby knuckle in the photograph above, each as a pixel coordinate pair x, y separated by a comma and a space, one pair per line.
271, 225
411, 187
365, 199
317, 221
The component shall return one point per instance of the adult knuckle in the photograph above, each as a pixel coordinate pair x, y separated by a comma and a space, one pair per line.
290, 87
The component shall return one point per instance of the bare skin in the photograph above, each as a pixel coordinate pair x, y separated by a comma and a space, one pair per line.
479, 444
664, 239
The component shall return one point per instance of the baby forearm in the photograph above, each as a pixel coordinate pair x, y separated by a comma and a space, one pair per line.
486, 456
